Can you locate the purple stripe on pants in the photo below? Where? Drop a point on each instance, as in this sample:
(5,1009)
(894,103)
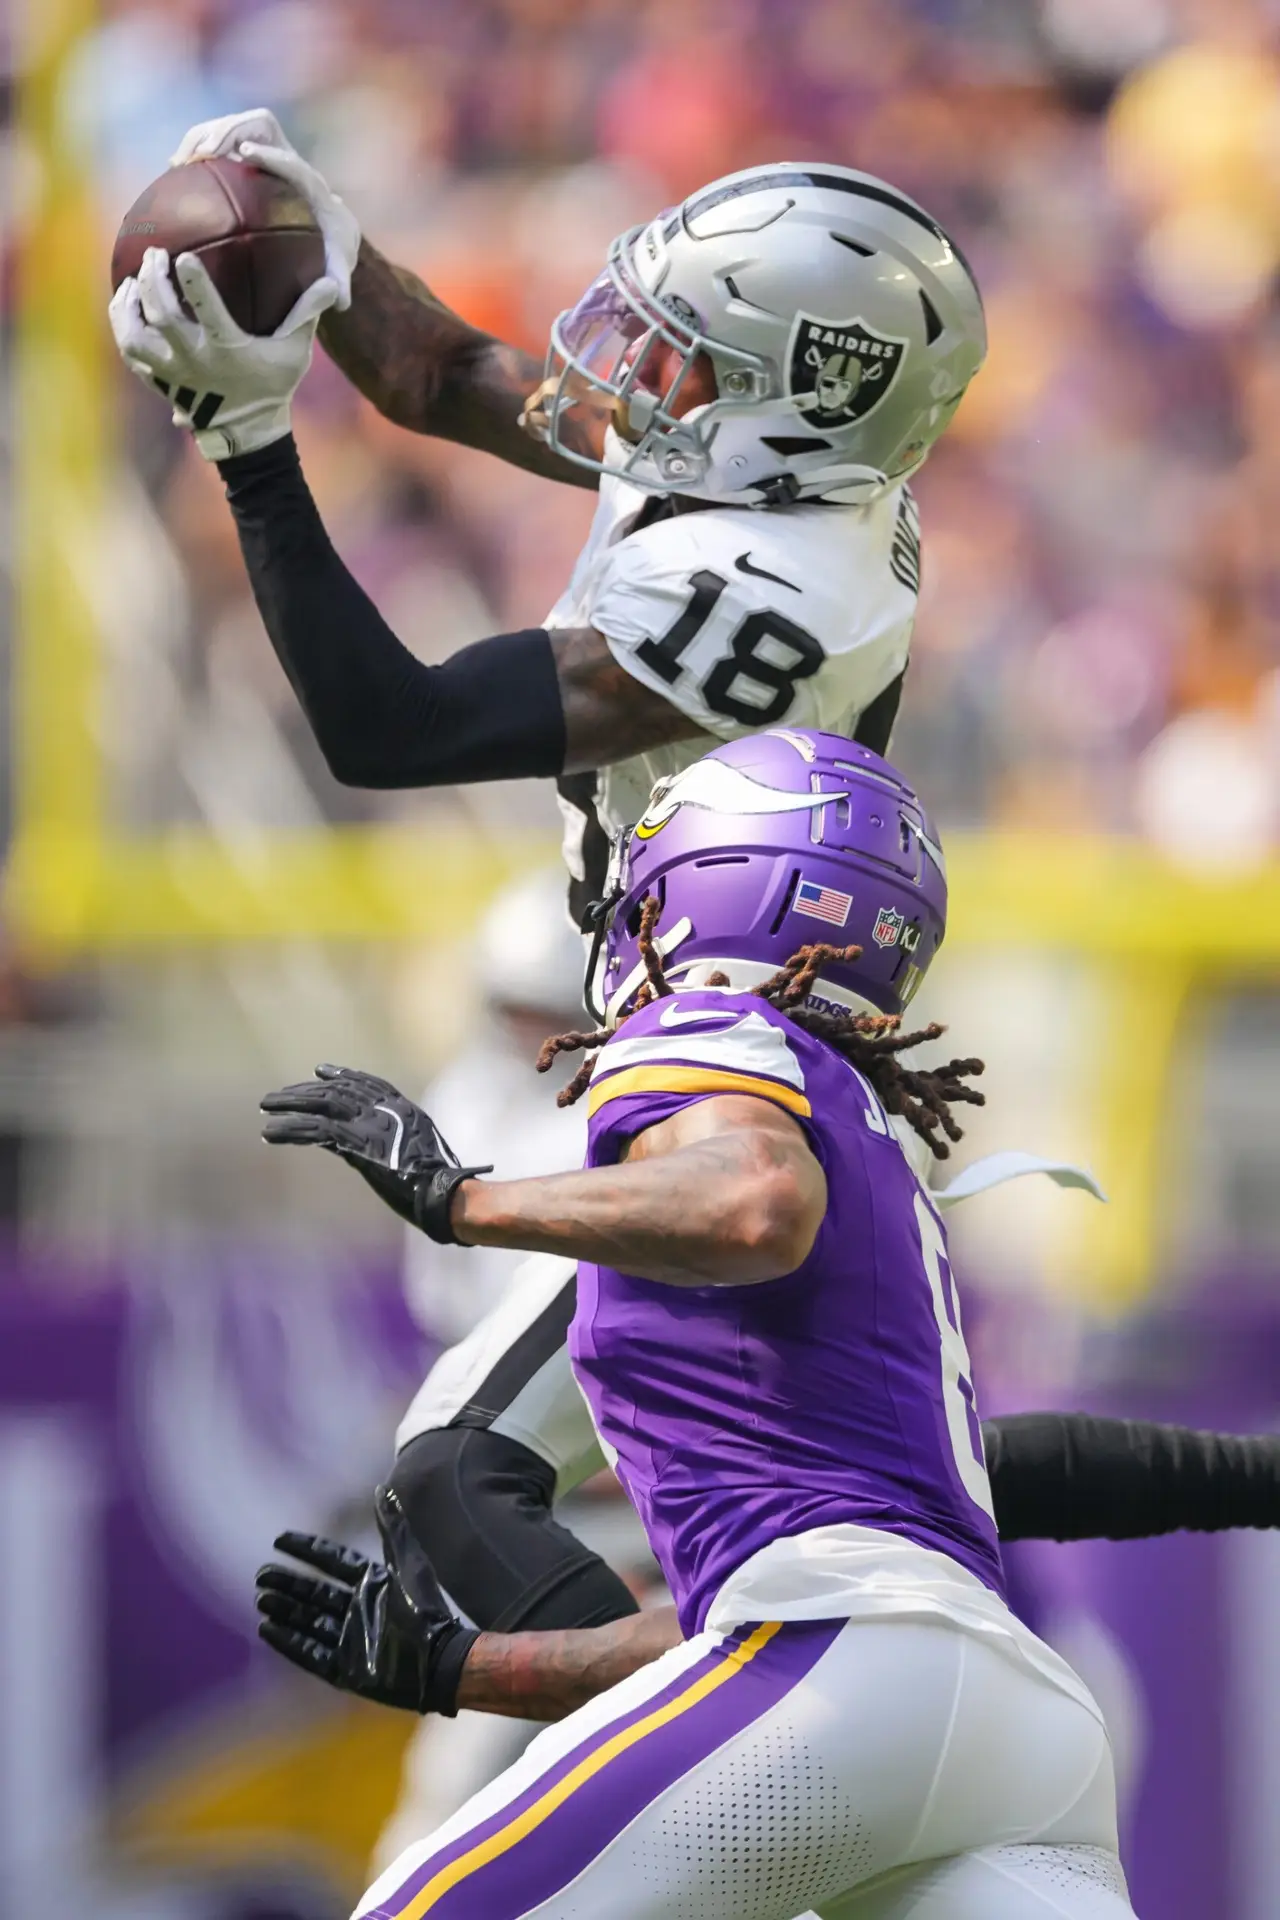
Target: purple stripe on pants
(567,1839)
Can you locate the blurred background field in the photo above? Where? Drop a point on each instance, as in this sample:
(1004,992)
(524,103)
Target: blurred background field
(196,1346)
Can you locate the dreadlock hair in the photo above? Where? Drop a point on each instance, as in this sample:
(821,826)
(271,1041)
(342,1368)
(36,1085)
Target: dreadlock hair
(871,1042)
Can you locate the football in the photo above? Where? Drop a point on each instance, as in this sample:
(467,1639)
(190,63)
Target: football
(256,235)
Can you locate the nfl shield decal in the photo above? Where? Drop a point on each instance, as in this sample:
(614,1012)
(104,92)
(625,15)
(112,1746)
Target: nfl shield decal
(887,928)
(846,365)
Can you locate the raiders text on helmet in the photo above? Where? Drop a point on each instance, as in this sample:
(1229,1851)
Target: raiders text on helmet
(842,323)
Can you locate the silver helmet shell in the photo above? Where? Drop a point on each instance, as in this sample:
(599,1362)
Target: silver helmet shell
(843,326)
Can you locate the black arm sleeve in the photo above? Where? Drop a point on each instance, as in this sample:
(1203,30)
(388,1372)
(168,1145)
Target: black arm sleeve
(1072,1476)
(479,1504)
(382,718)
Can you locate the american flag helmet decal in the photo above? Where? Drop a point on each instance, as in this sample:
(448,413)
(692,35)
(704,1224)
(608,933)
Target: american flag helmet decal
(822,903)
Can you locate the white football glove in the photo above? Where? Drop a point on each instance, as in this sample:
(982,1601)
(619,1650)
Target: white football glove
(232,388)
(256,136)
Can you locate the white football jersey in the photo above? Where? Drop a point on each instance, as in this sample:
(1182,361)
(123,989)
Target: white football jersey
(742,619)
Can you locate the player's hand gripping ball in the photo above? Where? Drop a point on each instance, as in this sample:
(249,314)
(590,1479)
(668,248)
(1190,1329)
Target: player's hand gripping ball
(232,388)
(240,242)
(257,138)
(255,233)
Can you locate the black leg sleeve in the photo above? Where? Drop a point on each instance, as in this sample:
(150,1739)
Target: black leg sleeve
(480,1505)
(1074,1476)
(382,718)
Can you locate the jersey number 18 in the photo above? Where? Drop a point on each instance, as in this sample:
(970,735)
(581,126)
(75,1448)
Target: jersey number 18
(749,660)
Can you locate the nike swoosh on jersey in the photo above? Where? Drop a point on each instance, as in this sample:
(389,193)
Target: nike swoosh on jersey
(675,1017)
(743,564)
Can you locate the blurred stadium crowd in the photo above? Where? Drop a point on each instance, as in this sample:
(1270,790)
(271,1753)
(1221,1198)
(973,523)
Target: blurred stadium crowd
(1097,644)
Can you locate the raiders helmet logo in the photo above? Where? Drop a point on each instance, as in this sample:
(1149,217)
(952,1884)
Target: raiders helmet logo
(841,370)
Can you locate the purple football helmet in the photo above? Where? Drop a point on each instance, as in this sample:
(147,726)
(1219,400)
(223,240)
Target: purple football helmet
(769,844)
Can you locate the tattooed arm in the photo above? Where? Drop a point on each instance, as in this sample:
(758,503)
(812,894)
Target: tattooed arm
(608,714)
(544,1676)
(425,368)
(726,1192)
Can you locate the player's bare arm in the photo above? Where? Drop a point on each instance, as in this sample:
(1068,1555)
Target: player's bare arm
(726,1192)
(544,1676)
(428,370)
(609,715)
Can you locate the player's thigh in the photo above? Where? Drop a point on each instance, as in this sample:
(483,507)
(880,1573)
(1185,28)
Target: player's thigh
(997,1883)
(753,1775)
(682,1792)
(825,1761)
(512,1374)
(1025,1759)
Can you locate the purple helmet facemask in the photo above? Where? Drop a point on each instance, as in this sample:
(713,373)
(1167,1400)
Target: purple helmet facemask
(768,844)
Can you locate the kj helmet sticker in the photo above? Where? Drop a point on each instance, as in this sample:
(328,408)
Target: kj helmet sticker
(845,365)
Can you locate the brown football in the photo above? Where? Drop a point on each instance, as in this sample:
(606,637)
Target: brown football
(256,235)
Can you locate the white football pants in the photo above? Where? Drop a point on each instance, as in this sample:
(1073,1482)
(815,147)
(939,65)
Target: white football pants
(866,1770)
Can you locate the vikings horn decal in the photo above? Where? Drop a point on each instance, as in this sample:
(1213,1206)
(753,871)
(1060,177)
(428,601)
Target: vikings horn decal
(720,788)
(845,365)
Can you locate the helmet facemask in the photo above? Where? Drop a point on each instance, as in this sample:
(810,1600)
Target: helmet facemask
(609,345)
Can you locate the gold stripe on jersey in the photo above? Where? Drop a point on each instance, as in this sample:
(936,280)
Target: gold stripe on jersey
(673,1079)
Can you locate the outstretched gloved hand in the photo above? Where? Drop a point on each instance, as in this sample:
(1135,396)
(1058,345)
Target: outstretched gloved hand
(389,1141)
(384,1632)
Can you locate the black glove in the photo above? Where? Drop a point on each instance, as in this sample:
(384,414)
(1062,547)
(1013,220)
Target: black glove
(383,1632)
(391,1143)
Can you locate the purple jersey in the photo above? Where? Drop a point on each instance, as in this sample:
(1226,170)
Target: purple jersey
(838,1394)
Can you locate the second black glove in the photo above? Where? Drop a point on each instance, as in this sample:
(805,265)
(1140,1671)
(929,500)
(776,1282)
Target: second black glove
(383,1632)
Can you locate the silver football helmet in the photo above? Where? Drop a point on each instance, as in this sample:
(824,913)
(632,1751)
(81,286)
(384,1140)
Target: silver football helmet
(841,323)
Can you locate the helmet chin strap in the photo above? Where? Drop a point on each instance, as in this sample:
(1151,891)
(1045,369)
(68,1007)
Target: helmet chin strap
(663,943)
